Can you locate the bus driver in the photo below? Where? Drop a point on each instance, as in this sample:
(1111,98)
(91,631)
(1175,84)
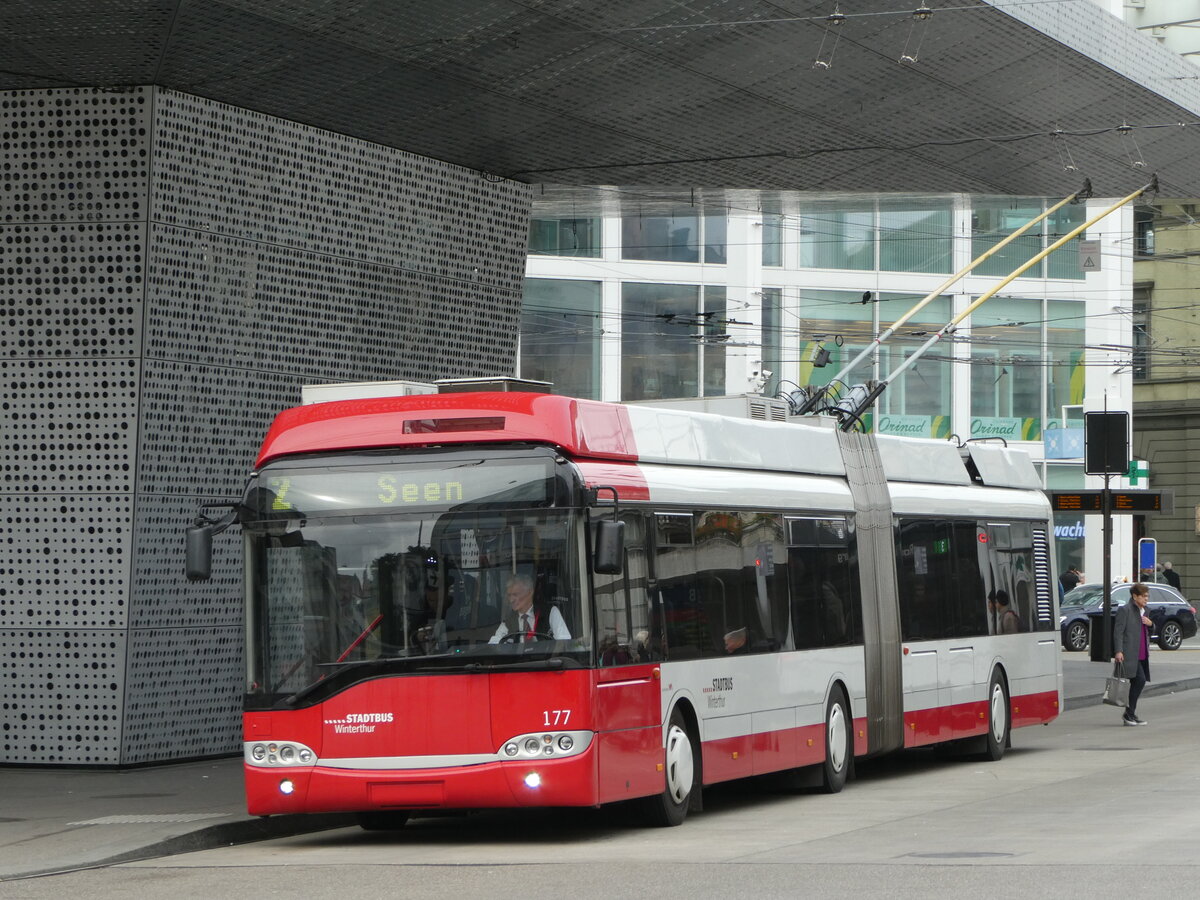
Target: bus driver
(531,620)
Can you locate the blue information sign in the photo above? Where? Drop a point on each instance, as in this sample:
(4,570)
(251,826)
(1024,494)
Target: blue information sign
(1147,554)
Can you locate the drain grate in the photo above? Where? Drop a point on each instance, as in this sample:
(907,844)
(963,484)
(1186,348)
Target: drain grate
(150,819)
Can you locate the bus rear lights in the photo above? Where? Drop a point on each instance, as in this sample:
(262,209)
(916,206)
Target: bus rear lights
(278,754)
(547,745)
(533,780)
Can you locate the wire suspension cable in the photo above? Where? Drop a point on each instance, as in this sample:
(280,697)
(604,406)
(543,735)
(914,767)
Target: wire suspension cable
(865,404)
(815,397)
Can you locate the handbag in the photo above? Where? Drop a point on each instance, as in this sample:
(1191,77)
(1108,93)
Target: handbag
(1116,688)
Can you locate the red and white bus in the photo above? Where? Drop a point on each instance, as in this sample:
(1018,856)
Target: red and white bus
(714,597)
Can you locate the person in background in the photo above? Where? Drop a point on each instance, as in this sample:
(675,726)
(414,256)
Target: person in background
(1170,576)
(1131,646)
(1068,580)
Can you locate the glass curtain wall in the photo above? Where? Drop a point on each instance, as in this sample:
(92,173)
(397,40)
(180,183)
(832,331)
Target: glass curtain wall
(772,233)
(672,341)
(1070,529)
(565,237)
(773,341)
(674,237)
(838,236)
(1064,262)
(1066,357)
(1007,369)
(841,323)
(916,240)
(714,333)
(560,335)
(916,404)
(901,235)
(994,220)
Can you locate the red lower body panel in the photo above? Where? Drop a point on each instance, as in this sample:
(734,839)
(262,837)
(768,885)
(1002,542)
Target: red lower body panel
(563,782)
(949,723)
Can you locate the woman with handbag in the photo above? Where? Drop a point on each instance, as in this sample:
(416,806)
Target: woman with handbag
(1131,646)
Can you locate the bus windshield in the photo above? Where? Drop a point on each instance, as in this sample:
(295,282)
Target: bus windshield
(409,565)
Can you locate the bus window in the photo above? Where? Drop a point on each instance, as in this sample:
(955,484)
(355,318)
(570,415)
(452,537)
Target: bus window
(822,567)
(925,579)
(968,615)
(1010,575)
(623,623)
(727,591)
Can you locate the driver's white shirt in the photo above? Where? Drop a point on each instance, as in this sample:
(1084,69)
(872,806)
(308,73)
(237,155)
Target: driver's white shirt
(558,627)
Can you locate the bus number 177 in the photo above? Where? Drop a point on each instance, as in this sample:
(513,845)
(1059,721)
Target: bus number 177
(555,717)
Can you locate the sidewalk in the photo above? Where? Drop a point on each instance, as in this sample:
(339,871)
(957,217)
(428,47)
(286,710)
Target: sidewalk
(54,820)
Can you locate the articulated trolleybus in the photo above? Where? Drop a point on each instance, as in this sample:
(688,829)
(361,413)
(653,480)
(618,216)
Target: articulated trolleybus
(508,599)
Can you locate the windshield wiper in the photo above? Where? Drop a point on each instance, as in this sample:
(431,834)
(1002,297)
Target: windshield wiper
(341,667)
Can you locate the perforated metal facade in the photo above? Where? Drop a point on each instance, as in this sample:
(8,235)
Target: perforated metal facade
(172,270)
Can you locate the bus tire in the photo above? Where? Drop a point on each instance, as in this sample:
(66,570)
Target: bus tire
(380,820)
(670,808)
(839,747)
(999,717)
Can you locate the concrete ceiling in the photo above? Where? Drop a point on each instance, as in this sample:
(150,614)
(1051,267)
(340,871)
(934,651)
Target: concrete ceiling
(720,93)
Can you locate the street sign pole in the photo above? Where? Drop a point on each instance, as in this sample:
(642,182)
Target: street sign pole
(1100,648)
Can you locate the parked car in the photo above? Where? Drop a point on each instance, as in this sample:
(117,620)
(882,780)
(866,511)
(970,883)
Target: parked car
(1173,616)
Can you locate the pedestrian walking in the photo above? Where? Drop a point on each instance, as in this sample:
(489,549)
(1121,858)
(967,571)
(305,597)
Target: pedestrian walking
(1131,646)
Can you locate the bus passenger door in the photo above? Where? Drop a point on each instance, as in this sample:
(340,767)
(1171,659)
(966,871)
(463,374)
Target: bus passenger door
(628,704)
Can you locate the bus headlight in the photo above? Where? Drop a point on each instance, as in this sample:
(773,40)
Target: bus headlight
(278,754)
(545,745)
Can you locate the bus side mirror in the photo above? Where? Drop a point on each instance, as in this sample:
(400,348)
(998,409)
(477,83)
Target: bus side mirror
(199,543)
(610,546)
(199,552)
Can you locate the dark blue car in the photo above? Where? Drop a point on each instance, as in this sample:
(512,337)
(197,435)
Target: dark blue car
(1173,616)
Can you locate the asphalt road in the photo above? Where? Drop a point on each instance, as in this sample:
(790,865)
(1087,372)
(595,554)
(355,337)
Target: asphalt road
(1081,808)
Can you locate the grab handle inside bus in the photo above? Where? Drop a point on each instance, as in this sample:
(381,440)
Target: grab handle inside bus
(199,544)
(609,550)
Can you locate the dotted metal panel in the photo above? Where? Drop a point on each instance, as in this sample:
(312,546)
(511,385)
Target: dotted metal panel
(70,424)
(65,560)
(160,596)
(203,425)
(71,289)
(74,155)
(139,382)
(61,696)
(228,302)
(184,695)
(296,186)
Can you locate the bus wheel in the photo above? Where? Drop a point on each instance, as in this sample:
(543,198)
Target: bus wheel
(670,807)
(839,753)
(999,718)
(382,821)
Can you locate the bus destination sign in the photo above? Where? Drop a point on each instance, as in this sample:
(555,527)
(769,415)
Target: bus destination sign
(1122,501)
